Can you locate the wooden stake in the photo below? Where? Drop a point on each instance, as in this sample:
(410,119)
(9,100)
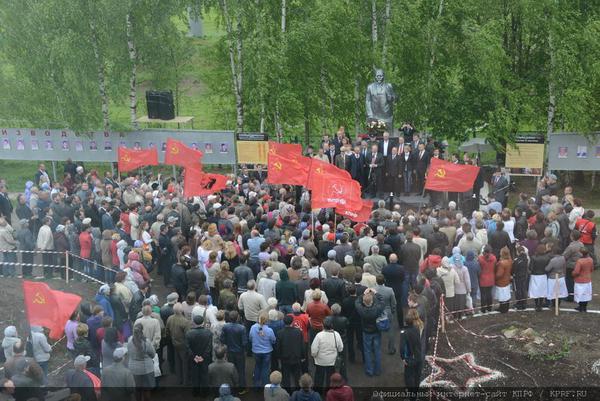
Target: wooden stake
(67,266)
(443,312)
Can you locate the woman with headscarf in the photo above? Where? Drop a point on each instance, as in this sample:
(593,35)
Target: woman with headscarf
(225,394)
(141,362)
(450,278)
(10,338)
(463,288)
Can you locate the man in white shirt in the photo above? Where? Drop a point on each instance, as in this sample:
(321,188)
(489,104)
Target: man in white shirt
(208,312)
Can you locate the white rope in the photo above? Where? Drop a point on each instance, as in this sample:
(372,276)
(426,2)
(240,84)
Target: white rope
(85,275)
(95,263)
(40,251)
(31,264)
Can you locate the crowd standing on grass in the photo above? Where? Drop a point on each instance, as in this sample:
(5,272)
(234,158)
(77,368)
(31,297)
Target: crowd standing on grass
(253,275)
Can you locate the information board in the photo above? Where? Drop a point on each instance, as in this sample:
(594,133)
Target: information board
(573,151)
(58,145)
(252,148)
(526,156)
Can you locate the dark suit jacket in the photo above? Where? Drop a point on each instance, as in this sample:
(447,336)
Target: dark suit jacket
(378,161)
(422,163)
(407,165)
(393,166)
(392,142)
(356,166)
(330,157)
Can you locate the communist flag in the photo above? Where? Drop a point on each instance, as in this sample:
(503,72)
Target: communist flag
(198,183)
(319,168)
(335,190)
(359,216)
(450,177)
(286,165)
(179,154)
(130,159)
(47,307)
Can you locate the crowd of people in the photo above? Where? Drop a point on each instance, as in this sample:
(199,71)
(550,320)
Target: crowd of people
(252,276)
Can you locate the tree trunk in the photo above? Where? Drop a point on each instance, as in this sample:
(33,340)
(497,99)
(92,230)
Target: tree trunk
(551,88)
(432,49)
(236,67)
(357,105)
(306,123)
(262,115)
(386,32)
(283,15)
(133,76)
(278,131)
(434,38)
(374,24)
(100,68)
(323,98)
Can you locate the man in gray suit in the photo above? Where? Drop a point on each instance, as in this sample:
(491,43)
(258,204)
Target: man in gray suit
(389,300)
(500,187)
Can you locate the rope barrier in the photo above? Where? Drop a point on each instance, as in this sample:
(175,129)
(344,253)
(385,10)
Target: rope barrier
(94,262)
(31,264)
(57,370)
(84,275)
(39,251)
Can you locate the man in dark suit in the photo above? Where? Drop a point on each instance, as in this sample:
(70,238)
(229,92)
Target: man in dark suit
(407,165)
(394,174)
(374,165)
(421,164)
(331,153)
(356,166)
(499,186)
(337,141)
(415,143)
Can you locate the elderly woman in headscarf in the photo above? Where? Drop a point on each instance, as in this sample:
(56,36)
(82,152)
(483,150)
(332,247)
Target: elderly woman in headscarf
(463,288)
(10,338)
(225,394)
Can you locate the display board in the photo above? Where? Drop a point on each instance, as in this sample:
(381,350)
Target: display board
(526,156)
(58,145)
(572,151)
(252,148)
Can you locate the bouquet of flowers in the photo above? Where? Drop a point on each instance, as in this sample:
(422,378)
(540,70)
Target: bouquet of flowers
(376,127)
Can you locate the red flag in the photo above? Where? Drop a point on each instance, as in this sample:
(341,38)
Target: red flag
(47,307)
(130,159)
(450,177)
(198,183)
(319,167)
(179,154)
(335,190)
(286,165)
(359,216)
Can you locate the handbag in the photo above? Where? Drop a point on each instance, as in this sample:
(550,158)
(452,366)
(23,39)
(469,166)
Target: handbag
(339,359)
(383,322)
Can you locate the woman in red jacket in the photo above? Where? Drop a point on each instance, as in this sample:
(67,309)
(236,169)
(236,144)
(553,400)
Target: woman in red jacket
(487,278)
(503,279)
(582,274)
(85,244)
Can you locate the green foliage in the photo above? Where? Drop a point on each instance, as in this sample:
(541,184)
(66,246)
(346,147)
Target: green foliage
(457,66)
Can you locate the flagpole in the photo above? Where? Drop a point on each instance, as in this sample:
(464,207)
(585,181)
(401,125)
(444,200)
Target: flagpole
(27,324)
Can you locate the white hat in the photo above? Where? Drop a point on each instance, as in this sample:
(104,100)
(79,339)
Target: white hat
(81,360)
(86,222)
(119,353)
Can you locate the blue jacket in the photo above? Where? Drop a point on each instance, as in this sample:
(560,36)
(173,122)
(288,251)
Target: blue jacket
(233,335)
(262,339)
(104,302)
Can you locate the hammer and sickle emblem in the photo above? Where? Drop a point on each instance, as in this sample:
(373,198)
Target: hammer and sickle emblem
(39,299)
(174,150)
(272,151)
(440,173)
(319,170)
(277,165)
(126,158)
(337,189)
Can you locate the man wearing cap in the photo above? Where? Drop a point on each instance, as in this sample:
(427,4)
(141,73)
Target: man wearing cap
(310,250)
(26,241)
(117,380)
(199,341)
(79,379)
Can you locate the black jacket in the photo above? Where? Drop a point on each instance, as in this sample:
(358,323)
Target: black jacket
(119,310)
(349,311)
(498,240)
(290,345)
(394,275)
(411,254)
(179,280)
(335,288)
(340,324)
(410,345)
(369,314)
(394,166)
(135,307)
(538,263)
(198,341)
(195,281)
